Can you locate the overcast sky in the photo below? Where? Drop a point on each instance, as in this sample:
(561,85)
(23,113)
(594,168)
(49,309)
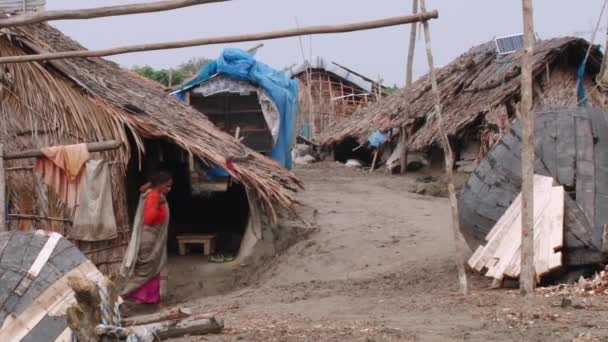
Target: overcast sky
(378,53)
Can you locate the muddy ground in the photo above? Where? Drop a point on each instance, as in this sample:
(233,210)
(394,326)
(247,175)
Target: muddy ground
(380,268)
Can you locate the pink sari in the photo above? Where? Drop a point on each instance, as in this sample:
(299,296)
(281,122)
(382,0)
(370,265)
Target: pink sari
(148,293)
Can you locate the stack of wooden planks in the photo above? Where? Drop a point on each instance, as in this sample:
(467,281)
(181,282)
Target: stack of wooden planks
(501,256)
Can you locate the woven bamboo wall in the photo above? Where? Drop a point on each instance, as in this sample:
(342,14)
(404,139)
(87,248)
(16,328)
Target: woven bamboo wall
(326,99)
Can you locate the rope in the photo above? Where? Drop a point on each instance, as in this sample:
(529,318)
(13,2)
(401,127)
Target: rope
(110,318)
(580,74)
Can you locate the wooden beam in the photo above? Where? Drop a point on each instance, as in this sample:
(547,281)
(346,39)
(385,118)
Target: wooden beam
(449,161)
(360,26)
(37,218)
(99,12)
(92,147)
(527,276)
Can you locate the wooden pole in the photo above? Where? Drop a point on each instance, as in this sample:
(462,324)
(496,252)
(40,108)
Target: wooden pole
(408,83)
(3,227)
(404,137)
(449,162)
(411,47)
(99,12)
(526,279)
(360,26)
(371,169)
(92,147)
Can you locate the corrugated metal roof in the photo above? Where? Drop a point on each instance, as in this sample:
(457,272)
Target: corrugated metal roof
(334,68)
(11,6)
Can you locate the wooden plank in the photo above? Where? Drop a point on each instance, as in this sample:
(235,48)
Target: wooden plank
(18,328)
(498,235)
(14,253)
(39,263)
(605,240)
(510,243)
(48,329)
(585,171)
(65,336)
(556,212)
(600,133)
(548,147)
(579,230)
(566,145)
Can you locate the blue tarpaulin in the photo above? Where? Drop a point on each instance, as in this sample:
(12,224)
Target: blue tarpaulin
(240,65)
(376,139)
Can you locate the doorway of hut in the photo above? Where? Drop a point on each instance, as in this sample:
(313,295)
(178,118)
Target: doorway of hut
(351,149)
(240,111)
(220,210)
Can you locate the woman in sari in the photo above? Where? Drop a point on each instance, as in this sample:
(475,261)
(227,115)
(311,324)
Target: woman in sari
(147,251)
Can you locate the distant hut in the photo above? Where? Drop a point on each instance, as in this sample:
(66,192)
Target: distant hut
(329,93)
(70,101)
(247,99)
(480,93)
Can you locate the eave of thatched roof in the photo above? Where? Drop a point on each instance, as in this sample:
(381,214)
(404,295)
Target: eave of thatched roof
(477,84)
(97,99)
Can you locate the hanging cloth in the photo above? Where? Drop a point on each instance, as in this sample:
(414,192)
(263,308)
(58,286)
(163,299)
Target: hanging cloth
(62,170)
(94,218)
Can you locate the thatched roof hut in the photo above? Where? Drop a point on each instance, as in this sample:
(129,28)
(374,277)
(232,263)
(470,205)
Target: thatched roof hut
(480,93)
(91,99)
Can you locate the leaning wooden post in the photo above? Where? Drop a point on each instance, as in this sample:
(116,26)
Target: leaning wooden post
(2,191)
(526,278)
(408,82)
(449,161)
(411,47)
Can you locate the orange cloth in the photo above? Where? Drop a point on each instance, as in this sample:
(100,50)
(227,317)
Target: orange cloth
(62,170)
(155,209)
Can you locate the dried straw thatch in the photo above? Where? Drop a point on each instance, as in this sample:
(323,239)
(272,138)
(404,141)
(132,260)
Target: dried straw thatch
(92,99)
(480,94)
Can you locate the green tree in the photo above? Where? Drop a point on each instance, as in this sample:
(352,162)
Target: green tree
(193,66)
(174,76)
(166,77)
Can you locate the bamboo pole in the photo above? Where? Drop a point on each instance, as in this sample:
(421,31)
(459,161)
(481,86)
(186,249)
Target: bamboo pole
(2,191)
(449,161)
(359,26)
(408,83)
(526,278)
(92,147)
(411,47)
(99,12)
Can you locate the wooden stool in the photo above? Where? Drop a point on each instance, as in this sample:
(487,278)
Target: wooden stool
(208,242)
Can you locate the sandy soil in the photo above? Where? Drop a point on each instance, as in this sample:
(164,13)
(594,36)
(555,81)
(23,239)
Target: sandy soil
(380,268)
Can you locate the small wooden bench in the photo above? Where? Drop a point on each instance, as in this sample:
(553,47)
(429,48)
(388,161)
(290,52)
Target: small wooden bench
(208,242)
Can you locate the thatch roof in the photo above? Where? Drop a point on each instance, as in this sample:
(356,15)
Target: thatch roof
(478,90)
(92,99)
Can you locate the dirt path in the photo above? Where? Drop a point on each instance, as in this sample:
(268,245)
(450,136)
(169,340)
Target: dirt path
(380,269)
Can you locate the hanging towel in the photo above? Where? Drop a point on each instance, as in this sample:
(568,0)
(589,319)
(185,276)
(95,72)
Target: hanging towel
(62,170)
(94,218)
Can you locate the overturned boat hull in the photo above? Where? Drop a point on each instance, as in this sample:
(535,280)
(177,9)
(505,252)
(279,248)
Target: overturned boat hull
(572,147)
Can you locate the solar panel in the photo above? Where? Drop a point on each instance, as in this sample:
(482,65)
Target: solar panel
(509,44)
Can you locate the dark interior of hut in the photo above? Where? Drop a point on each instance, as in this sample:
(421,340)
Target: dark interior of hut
(344,151)
(228,111)
(224,213)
